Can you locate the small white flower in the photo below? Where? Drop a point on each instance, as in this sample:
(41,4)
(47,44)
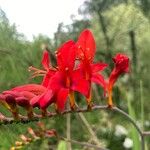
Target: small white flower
(128,143)
(120,130)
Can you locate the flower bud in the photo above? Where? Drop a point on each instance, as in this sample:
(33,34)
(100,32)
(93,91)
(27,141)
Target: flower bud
(24,102)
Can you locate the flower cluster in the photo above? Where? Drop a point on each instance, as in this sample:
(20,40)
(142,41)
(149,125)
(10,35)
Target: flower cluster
(33,135)
(75,72)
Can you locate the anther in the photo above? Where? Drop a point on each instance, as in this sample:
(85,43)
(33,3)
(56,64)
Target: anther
(79,46)
(56,52)
(66,68)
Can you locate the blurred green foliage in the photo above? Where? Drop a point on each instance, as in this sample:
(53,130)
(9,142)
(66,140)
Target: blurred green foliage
(112,23)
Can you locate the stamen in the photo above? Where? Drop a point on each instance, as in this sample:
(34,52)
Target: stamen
(56,52)
(36,72)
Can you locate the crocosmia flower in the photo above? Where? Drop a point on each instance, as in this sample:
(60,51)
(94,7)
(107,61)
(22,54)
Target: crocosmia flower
(86,48)
(22,96)
(66,79)
(121,62)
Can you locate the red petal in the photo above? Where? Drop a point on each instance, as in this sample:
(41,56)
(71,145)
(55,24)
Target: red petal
(99,79)
(13,93)
(98,67)
(81,86)
(10,99)
(22,101)
(47,77)
(46,99)
(2,97)
(46,60)
(66,56)
(34,101)
(45,80)
(57,81)
(28,95)
(121,63)
(62,98)
(86,45)
(34,88)
(79,83)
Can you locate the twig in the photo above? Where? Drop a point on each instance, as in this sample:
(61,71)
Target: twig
(146,133)
(90,130)
(134,124)
(86,123)
(84,144)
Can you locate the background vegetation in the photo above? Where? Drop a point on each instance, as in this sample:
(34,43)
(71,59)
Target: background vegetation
(118,26)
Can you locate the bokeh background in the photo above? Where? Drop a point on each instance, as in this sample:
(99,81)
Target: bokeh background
(118,26)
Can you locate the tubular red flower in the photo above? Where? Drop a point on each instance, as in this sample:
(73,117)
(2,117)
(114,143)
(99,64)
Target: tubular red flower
(66,79)
(86,48)
(85,52)
(121,66)
(22,95)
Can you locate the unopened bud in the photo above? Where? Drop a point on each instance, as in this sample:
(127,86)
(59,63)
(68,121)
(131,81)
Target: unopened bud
(18,143)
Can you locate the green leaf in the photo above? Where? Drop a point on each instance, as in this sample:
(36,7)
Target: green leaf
(62,145)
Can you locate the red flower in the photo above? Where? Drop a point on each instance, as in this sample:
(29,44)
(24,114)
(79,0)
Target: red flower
(33,88)
(48,71)
(121,66)
(66,79)
(86,48)
(22,96)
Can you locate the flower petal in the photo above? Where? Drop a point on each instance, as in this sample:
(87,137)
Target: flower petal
(46,60)
(10,100)
(66,56)
(47,77)
(62,98)
(57,81)
(34,88)
(46,99)
(86,45)
(99,79)
(28,95)
(34,101)
(13,93)
(81,86)
(79,83)
(98,67)
(23,101)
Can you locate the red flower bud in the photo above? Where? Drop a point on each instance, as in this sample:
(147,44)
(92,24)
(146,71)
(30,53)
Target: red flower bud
(121,66)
